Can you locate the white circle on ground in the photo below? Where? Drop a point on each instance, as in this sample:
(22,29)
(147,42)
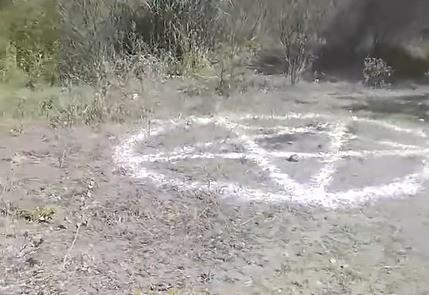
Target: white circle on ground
(263,141)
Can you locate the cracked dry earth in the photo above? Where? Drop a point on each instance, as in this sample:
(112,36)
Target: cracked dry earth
(160,224)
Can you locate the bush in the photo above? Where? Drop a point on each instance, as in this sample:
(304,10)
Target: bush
(29,40)
(47,39)
(376,72)
(180,33)
(299,36)
(79,40)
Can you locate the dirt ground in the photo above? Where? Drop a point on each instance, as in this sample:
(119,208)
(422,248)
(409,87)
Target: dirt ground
(73,221)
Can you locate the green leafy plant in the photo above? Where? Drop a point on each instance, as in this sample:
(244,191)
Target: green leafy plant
(30,40)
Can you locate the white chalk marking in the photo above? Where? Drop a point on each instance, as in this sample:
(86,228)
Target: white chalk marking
(315,192)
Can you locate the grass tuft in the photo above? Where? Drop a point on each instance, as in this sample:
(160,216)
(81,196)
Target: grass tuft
(38,214)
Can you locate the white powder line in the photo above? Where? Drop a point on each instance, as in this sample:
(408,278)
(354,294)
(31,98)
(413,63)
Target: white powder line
(324,178)
(324,157)
(313,193)
(399,145)
(289,116)
(387,125)
(278,131)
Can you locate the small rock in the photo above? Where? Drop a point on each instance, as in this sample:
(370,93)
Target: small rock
(16,131)
(293,158)
(32,262)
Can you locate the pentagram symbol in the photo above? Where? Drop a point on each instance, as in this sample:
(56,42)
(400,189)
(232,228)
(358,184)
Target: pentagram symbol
(309,159)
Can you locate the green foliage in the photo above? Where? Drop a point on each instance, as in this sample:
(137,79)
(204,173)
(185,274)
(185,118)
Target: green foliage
(38,214)
(29,40)
(94,43)
(95,33)
(51,40)
(74,111)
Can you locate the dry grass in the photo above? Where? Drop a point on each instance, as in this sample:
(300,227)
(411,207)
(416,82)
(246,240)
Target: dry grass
(109,49)
(299,36)
(38,214)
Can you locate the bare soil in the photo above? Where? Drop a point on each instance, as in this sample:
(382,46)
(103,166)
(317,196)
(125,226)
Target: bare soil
(114,234)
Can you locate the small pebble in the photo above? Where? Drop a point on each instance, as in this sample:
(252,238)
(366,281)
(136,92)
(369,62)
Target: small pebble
(293,158)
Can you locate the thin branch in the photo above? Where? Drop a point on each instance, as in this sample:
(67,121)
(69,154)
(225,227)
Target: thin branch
(66,257)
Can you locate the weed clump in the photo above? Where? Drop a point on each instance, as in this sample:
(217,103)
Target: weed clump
(299,36)
(38,214)
(376,72)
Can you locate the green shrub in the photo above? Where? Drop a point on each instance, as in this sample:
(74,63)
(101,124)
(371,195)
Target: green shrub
(51,40)
(29,40)
(98,32)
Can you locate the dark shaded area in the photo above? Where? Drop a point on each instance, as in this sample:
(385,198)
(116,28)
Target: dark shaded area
(377,28)
(269,62)
(300,142)
(405,64)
